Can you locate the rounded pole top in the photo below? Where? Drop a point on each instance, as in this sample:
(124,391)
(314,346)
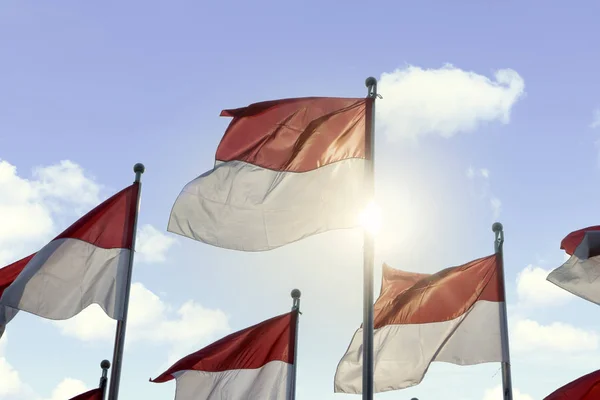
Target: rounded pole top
(139,168)
(296,294)
(105,364)
(497,227)
(370,81)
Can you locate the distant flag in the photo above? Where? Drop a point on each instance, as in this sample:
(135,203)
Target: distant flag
(579,274)
(254,363)
(285,170)
(94,394)
(452,316)
(85,264)
(585,388)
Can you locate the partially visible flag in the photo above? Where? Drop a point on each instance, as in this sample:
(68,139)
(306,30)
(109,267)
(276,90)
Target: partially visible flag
(579,274)
(585,388)
(452,316)
(94,394)
(285,170)
(254,363)
(85,264)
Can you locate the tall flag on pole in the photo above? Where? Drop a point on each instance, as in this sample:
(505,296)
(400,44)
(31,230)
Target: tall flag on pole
(452,316)
(585,388)
(97,393)
(579,274)
(85,264)
(255,363)
(285,170)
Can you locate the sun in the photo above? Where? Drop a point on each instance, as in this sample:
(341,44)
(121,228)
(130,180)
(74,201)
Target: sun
(370,218)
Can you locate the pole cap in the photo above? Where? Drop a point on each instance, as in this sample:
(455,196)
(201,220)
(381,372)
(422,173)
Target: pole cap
(370,81)
(139,168)
(296,294)
(105,364)
(497,227)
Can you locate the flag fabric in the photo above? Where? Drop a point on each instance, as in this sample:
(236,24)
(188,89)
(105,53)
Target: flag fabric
(254,363)
(284,170)
(585,388)
(85,264)
(452,316)
(94,394)
(579,274)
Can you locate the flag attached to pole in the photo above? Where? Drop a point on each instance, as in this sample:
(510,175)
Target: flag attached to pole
(285,170)
(579,274)
(254,363)
(585,388)
(451,316)
(94,394)
(85,264)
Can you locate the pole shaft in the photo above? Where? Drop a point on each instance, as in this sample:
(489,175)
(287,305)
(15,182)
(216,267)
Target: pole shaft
(369,246)
(115,375)
(105,365)
(296,308)
(506,373)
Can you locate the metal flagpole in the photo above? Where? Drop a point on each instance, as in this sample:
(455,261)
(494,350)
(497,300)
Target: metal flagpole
(506,375)
(369,246)
(105,365)
(115,375)
(295,307)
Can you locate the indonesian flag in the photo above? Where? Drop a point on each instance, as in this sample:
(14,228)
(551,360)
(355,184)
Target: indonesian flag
(254,363)
(585,388)
(452,316)
(579,274)
(94,394)
(284,170)
(85,264)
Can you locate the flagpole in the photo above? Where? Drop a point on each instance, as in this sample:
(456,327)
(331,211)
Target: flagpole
(105,365)
(295,307)
(498,230)
(369,246)
(115,375)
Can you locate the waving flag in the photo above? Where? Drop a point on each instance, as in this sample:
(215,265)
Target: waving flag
(284,170)
(579,274)
(452,316)
(254,363)
(85,264)
(585,388)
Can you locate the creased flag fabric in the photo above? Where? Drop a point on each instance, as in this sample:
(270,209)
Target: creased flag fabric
(579,274)
(585,388)
(94,394)
(85,264)
(452,316)
(285,170)
(254,363)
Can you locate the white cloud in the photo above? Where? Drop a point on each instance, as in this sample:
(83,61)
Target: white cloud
(10,380)
(483,175)
(530,336)
(151,321)
(444,101)
(28,206)
(152,245)
(496,394)
(68,388)
(534,290)
(596,118)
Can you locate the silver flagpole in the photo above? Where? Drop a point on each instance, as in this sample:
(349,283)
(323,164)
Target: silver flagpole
(115,375)
(506,375)
(295,307)
(105,365)
(369,247)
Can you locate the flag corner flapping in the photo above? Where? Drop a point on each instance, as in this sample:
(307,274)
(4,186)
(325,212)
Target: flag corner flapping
(94,394)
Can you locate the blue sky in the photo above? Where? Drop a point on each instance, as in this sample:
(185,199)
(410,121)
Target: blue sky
(106,85)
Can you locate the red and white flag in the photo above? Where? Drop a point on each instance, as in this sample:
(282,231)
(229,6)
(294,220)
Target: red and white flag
(585,388)
(452,316)
(284,170)
(85,264)
(254,363)
(579,274)
(94,394)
